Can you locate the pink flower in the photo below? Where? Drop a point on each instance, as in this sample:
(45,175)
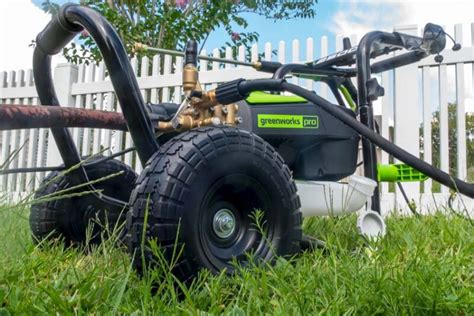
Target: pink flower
(85,33)
(182,3)
(235,36)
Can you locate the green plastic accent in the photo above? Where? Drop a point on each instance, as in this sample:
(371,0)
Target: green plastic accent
(259,97)
(399,173)
(348,97)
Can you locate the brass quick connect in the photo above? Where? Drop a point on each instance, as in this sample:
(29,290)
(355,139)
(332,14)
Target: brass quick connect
(230,117)
(190,78)
(207,100)
(165,126)
(257,65)
(211,97)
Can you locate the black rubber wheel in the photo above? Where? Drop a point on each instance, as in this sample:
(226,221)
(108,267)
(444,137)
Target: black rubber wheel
(201,191)
(69,218)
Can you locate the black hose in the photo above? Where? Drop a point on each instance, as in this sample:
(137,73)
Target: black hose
(399,153)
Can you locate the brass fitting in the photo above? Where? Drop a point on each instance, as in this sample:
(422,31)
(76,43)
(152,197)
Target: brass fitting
(210,121)
(185,122)
(190,78)
(211,96)
(230,117)
(165,126)
(218,112)
(208,99)
(257,65)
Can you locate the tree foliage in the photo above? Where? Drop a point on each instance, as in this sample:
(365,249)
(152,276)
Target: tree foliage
(452,139)
(170,23)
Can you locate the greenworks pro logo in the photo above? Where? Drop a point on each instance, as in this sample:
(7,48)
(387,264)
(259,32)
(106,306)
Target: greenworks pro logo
(287,121)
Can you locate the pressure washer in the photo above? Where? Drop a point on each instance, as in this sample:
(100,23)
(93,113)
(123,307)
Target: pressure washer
(225,158)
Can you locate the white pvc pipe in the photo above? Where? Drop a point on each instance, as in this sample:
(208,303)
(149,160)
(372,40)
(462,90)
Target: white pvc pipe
(322,198)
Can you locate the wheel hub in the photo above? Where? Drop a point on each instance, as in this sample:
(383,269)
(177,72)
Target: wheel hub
(224,223)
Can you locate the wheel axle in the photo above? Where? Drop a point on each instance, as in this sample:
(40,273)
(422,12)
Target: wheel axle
(224,223)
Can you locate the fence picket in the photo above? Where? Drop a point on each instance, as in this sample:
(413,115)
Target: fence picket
(86,140)
(5,137)
(32,152)
(323,89)
(109,106)
(155,72)
(78,132)
(241,54)
(254,53)
(24,140)
(281,52)
(384,128)
(443,124)
(17,79)
(268,52)
(215,66)
(14,151)
(177,89)
(427,152)
(117,136)
(166,71)
(228,55)
(460,111)
(99,105)
(295,56)
(203,64)
(309,56)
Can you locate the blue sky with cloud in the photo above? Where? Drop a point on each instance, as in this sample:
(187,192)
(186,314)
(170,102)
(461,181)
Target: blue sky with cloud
(348,17)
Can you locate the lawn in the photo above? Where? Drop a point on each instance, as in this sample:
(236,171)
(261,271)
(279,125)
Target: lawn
(423,266)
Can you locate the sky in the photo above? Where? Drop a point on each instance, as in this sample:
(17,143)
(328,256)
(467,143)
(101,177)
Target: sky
(21,20)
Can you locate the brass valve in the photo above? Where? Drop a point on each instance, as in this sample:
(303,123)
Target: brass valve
(200,108)
(190,72)
(190,78)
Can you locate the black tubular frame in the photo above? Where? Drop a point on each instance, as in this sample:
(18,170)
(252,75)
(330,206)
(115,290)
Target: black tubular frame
(64,26)
(360,56)
(70,20)
(364,100)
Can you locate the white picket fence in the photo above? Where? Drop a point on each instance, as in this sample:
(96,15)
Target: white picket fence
(411,92)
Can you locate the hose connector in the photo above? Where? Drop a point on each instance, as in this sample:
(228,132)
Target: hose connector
(229,92)
(236,90)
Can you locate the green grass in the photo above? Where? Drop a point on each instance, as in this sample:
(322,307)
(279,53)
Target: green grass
(423,266)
